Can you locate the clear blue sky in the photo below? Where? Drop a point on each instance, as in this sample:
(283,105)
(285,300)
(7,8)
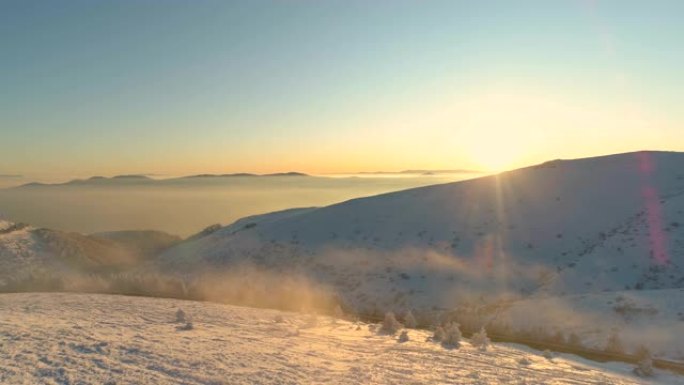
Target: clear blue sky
(105,87)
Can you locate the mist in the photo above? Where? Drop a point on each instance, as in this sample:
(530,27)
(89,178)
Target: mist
(185,206)
(243,285)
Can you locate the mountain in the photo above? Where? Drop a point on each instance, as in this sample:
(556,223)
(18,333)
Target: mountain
(245,174)
(135,180)
(95,181)
(291,173)
(241,174)
(588,246)
(421,172)
(565,226)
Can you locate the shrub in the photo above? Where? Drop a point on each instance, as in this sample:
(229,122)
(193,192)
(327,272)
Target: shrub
(403,337)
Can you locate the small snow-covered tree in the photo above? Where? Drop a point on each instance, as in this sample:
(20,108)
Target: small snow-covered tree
(439,334)
(403,337)
(410,320)
(480,339)
(644,367)
(614,344)
(452,335)
(390,325)
(180,316)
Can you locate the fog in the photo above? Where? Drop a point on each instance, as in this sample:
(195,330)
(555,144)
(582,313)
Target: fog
(187,205)
(11,180)
(243,284)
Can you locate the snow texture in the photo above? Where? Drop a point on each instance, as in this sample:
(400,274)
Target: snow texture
(103,339)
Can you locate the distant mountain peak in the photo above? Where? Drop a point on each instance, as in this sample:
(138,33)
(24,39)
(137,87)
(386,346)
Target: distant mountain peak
(245,174)
(422,172)
(131,176)
(290,173)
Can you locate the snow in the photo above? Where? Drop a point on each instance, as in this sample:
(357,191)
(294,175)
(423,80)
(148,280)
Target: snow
(103,339)
(558,227)
(588,228)
(26,251)
(626,259)
(590,246)
(4,224)
(650,318)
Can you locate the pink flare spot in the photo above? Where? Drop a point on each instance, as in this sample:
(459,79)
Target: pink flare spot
(646,164)
(654,217)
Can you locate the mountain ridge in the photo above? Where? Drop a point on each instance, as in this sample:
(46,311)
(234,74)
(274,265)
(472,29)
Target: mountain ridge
(144,179)
(519,230)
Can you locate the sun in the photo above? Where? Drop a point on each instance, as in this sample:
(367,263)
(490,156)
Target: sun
(495,157)
(498,151)
(503,130)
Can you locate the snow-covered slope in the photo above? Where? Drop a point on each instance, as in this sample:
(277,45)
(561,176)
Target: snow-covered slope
(652,318)
(142,244)
(541,228)
(5,225)
(100,339)
(27,252)
(646,252)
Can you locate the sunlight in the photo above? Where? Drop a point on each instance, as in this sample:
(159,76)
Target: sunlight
(341,192)
(493,127)
(496,156)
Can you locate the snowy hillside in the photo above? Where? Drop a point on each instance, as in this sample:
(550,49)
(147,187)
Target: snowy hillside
(652,318)
(99,339)
(542,228)
(643,253)
(26,251)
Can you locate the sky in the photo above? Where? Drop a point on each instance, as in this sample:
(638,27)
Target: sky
(182,87)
